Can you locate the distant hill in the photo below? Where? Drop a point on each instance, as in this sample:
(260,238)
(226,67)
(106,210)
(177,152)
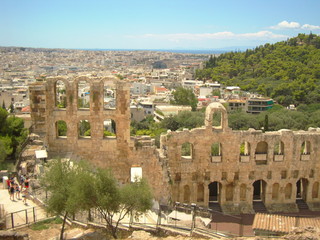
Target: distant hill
(287,71)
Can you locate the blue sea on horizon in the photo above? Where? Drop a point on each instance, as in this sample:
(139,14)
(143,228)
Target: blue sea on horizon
(189,51)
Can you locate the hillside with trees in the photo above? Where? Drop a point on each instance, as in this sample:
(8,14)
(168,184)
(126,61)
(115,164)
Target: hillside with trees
(279,117)
(287,71)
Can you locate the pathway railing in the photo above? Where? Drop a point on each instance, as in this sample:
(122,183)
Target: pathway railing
(24,217)
(181,218)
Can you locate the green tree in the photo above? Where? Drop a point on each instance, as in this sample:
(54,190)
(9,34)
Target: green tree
(112,201)
(240,120)
(170,123)
(11,108)
(3,152)
(62,128)
(107,133)
(216,92)
(80,187)
(15,129)
(14,126)
(7,144)
(58,180)
(215,149)
(266,122)
(183,96)
(3,118)
(84,128)
(288,71)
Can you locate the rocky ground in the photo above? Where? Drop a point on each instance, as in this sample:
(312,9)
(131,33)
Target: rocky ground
(53,232)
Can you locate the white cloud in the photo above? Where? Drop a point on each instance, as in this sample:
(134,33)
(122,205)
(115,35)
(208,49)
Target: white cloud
(286,25)
(176,37)
(294,25)
(310,27)
(262,35)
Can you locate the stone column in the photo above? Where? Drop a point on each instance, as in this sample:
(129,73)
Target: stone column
(206,194)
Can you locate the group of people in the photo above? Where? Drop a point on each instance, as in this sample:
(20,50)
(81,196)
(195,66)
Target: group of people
(15,188)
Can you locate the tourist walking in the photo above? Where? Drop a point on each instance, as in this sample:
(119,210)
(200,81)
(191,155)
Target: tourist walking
(26,183)
(17,189)
(22,179)
(11,191)
(8,185)
(24,195)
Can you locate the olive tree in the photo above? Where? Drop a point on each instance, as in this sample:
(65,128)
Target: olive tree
(58,180)
(115,202)
(79,186)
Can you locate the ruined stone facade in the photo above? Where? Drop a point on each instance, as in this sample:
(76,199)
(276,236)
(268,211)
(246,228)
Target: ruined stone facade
(120,152)
(207,165)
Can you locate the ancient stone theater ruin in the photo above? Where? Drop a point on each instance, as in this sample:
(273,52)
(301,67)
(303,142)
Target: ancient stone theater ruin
(233,171)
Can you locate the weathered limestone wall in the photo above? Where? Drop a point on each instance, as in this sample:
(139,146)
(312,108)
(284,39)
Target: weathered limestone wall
(236,171)
(118,153)
(231,170)
(38,106)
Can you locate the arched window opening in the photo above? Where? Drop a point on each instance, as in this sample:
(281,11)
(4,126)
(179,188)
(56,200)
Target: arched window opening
(315,190)
(60,94)
(61,129)
(305,151)
(278,148)
(109,96)
(259,190)
(245,152)
(262,148)
(305,147)
(109,128)
(243,192)
(216,116)
(83,94)
(275,191)
(261,153)
(288,191)
(278,151)
(186,150)
(186,194)
(216,119)
(216,152)
(84,129)
(200,193)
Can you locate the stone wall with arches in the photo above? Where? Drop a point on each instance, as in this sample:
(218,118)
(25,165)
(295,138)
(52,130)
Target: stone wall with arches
(277,159)
(212,163)
(87,113)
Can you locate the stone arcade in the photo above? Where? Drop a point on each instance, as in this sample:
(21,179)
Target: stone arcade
(209,166)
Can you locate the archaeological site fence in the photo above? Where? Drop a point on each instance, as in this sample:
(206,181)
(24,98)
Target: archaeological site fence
(181,218)
(24,217)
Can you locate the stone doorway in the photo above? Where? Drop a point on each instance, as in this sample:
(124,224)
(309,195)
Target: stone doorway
(302,187)
(259,193)
(259,190)
(214,196)
(214,191)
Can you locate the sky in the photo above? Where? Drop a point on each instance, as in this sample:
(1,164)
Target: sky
(154,24)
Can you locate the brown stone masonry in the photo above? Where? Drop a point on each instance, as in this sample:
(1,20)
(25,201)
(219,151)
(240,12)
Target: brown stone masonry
(208,165)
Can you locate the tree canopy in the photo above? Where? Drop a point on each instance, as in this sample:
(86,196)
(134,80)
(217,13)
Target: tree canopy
(278,117)
(79,187)
(183,96)
(287,71)
(12,134)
